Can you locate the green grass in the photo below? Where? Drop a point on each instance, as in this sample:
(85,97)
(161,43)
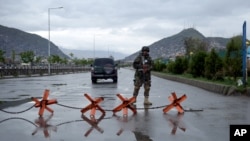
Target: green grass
(227,81)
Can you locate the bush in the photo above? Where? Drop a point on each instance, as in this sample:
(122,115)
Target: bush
(179,66)
(197,64)
(213,66)
(159,65)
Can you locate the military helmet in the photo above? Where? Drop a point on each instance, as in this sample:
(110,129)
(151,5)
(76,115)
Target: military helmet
(145,48)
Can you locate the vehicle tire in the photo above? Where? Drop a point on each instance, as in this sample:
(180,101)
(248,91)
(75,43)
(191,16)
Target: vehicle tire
(114,80)
(94,80)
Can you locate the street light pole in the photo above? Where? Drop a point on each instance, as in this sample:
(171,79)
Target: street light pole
(49,36)
(94,47)
(94,44)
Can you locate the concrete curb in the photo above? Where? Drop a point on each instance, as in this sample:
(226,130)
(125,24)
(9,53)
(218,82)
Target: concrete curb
(216,88)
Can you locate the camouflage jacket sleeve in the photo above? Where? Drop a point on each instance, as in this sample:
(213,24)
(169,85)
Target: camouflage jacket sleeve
(137,62)
(151,63)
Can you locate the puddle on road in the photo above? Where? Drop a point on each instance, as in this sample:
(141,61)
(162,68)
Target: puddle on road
(59,84)
(176,122)
(91,126)
(104,84)
(23,95)
(12,103)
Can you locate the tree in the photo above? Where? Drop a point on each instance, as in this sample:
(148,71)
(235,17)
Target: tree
(13,56)
(180,65)
(71,55)
(197,64)
(2,56)
(55,59)
(64,60)
(38,59)
(233,58)
(27,57)
(213,65)
(159,65)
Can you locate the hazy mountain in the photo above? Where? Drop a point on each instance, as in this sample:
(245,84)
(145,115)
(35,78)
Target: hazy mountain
(20,41)
(173,45)
(90,53)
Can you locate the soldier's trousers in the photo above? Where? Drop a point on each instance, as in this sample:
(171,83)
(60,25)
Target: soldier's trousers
(138,83)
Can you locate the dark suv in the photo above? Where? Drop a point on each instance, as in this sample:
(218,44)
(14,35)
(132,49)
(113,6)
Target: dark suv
(104,68)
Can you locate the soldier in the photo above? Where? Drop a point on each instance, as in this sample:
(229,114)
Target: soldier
(143,65)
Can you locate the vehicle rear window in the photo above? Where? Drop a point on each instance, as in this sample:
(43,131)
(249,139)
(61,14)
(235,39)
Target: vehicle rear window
(102,62)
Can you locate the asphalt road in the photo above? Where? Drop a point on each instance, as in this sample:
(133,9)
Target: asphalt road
(207,116)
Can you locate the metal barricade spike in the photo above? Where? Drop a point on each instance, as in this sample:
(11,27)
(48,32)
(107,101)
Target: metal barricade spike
(175,102)
(44,102)
(125,105)
(93,106)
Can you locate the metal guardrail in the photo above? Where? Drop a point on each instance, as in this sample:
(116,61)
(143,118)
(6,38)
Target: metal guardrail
(26,72)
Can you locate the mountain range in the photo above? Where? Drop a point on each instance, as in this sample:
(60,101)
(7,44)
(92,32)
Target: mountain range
(20,41)
(174,45)
(90,53)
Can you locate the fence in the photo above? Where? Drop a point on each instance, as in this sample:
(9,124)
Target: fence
(28,71)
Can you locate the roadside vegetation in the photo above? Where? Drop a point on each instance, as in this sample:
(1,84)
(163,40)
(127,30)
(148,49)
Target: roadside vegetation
(214,65)
(28,57)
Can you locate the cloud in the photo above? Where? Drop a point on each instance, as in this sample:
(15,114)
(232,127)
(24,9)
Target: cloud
(123,26)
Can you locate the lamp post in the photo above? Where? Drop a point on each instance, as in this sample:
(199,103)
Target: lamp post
(49,36)
(94,47)
(94,44)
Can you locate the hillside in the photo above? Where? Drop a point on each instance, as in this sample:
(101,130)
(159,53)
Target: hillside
(20,41)
(173,45)
(14,39)
(90,53)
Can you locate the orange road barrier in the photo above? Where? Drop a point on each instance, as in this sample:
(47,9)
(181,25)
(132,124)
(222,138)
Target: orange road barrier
(126,103)
(44,102)
(93,105)
(94,124)
(175,103)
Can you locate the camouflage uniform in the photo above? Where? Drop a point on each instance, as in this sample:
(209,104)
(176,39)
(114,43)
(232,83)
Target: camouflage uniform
(143,65)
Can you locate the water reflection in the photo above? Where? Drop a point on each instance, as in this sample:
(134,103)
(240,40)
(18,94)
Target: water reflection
(94,123)
(139,124)
(42,124)
(176,122)
(104,84)
(126,123)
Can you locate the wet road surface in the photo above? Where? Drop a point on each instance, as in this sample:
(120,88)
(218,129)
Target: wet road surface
(211,121)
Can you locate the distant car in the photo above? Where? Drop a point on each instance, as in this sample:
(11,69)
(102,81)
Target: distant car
(104,68)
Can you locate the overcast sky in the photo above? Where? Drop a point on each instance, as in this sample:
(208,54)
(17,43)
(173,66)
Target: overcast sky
(123,25)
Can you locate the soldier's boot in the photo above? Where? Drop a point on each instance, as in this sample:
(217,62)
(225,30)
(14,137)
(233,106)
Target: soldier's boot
(146,94)
(135,100)
(135,94)
(146,101)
